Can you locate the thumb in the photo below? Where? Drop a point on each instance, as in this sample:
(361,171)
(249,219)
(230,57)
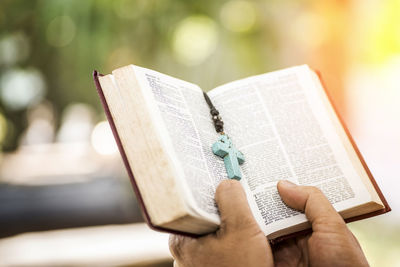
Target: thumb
(232,203)
(311,200)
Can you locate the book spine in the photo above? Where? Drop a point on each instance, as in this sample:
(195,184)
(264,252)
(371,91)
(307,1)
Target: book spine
(110,119)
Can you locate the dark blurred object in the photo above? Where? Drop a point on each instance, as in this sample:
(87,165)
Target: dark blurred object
(54,186)
(99,201)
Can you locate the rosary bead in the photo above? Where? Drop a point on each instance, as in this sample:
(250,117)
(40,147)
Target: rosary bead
(219,123)
(214,112)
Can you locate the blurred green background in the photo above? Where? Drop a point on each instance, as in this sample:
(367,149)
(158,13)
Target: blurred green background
(55,45)
(49,48)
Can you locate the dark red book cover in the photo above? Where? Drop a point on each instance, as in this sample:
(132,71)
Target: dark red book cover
(146,216)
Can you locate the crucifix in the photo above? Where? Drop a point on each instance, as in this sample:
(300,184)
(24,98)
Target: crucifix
(232,157)
(224,147)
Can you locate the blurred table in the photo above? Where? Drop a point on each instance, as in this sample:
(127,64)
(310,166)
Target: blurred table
(113,245)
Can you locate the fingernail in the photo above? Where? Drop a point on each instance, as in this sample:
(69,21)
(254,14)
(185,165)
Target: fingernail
(287,183)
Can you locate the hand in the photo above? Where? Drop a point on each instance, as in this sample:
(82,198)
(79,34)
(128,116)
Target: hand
(238,242)
(331,242)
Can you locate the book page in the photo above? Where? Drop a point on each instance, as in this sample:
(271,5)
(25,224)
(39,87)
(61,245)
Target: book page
(182,117)
(279,123)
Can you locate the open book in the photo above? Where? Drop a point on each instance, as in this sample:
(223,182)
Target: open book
(283,123)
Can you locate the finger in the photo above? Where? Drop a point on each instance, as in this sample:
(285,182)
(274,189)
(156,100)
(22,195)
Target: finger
(286,253)
(178,245)
(232,203)
(310,200)
(173,243)
(302,244)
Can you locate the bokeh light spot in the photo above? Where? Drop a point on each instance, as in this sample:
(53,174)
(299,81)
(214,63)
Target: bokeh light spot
(195,38)
(102,139)
(61,31)
(14,48)
(238,15)
(21,88)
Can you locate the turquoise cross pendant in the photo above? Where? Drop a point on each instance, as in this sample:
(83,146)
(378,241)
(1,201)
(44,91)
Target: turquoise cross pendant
(232,157)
